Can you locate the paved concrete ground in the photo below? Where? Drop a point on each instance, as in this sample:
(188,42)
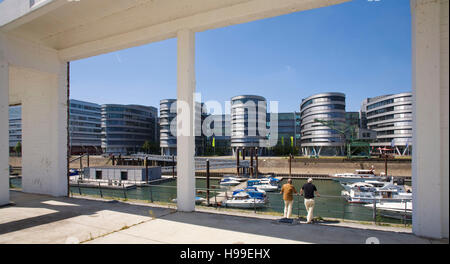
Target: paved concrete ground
(44,219)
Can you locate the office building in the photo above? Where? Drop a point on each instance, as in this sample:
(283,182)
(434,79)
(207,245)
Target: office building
(317,138)
(219,135)
(84,127)
(167,123)
(15,126)
(248,122)
(125,128)
(168,127)
(391,117)
(288,128)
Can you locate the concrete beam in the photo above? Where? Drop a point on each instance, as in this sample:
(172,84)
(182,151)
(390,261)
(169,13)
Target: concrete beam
(19,52)
(4,130)
(444,112)
(18,12)
(231,15)
(185,121)
(430,119)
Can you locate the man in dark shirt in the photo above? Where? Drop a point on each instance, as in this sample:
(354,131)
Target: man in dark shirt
(308,190)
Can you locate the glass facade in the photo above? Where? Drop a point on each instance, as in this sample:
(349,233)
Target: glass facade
(15,125)
(317,138)
(248,113)
(288,127)
(168,127)
(391,117)
(125,128)
(84,127)
(168,140)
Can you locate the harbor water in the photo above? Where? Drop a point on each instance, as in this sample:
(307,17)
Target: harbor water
(330,205)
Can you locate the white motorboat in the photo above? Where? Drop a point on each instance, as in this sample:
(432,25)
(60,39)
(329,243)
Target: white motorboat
(358,176)
(252,193)
(198,200)
(270,180)
(357,196)
(229,182)
(243,200)
(393,191)
(234,178)
(396,210)
(377,184)
(253,188)
(268,186)
(365,192)
(358,185)
(398,206)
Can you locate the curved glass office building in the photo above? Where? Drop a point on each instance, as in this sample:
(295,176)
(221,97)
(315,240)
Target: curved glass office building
(246,110)
(167,118)
(317,138)
(391,117)
(168,140)
(125,128)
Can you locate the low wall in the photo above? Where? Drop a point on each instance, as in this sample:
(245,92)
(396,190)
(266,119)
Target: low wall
(280,165)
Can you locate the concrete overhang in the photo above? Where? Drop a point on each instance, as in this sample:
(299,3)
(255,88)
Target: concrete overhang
(83,28)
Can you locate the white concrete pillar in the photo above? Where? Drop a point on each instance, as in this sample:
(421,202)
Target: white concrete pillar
(185,141)
(44,130)
(430,117)
(4,131)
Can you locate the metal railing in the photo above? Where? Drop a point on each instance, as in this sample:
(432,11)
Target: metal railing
(328,208)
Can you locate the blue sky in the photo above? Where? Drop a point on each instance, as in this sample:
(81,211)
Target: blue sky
(361,48)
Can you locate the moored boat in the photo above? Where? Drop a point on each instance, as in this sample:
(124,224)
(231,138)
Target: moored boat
(400,209)
(358,192)
(243,200)
(358,176)
(252,192)
(229,182)
(365,192)
(234,178)
(268,186)
(198,200)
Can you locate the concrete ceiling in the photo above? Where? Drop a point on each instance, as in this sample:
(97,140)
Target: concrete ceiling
(88,20)
(79,29)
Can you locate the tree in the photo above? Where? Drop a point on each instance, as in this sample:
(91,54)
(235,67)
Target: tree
(146,147)
(150,147)
(18,148)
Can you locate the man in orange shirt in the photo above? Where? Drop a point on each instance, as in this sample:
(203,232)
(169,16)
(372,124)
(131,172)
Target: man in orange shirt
(288,190)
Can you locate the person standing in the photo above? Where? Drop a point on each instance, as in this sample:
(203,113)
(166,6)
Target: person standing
(288,190)
(308,190)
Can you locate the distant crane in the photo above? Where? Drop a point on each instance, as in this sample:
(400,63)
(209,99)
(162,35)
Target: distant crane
(348,132)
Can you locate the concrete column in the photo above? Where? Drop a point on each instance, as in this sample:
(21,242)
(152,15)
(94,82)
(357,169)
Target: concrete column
(430,117)
(4,131)
(44,130)
(185,121)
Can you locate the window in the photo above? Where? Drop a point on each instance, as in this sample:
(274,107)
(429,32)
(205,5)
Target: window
(124,175)
(98,175)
